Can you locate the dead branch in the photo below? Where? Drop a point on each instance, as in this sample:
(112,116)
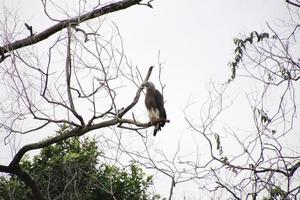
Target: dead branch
(147,4)
(68,78)
(116,6)
(137,96)
(293,3)
(29,28)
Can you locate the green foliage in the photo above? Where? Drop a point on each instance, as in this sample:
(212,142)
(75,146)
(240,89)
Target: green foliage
(241,47)
(115,181)
(218,141)
(70,170)
(260,113)
(276,193)
(13,189)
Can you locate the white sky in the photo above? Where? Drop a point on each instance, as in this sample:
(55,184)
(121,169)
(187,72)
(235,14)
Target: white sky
(195,40)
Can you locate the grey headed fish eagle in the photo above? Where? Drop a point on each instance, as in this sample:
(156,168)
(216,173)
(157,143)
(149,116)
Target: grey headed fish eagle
(154,102)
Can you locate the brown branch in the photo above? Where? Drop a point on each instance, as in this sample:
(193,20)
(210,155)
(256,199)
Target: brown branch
(78,131)
(3,57)
(5,169)
(14,167)
(228,189)
(294,168)
(137,96)
(147,4)
(86,39)
(42,144)
(68,79)
(25,177)
(134,122)
(173,183)
(138,124)
(29,28)
(29,181)
(120,5)
(292,3)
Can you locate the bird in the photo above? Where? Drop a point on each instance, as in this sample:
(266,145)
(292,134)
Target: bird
(154,103)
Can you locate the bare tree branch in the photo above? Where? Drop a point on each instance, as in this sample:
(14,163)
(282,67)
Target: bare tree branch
(68,78)
(115,6)
(137,96)
(293,3)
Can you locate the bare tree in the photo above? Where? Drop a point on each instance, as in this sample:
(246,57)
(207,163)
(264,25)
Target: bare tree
(73,79)
(80,77)
(262,162)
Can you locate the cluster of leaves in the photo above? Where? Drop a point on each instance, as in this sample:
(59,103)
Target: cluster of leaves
(241,47)
(262,115)
(276,193)
(224,159)
(120,180)
(70,170)
(219,147)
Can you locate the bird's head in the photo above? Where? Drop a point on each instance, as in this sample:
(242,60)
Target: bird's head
(148,85)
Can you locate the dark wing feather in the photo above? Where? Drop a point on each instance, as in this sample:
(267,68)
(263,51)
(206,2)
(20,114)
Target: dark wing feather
(160,105)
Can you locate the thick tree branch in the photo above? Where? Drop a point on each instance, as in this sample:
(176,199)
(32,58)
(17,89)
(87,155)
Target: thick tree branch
(119,5)
(293,3)
(25,177)
(29,181)
(294,168)
(137,96)
(5,169)
(78,131)
(42,144)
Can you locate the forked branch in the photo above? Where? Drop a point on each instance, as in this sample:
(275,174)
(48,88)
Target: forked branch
(112,7)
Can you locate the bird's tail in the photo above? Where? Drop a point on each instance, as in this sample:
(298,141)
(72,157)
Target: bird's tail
(162,123)
(157,128)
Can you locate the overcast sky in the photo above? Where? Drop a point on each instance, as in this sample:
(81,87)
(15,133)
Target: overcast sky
(195,41)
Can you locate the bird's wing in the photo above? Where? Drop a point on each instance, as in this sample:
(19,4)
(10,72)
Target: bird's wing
(160,105)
